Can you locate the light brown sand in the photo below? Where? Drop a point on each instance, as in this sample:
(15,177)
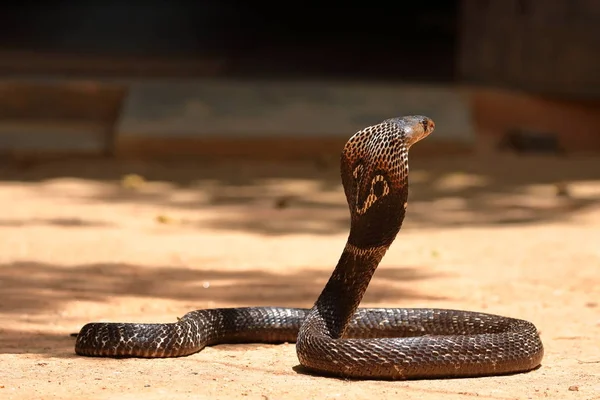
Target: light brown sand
(79,245)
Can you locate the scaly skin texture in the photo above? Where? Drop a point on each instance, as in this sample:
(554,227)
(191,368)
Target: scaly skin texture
(336,337)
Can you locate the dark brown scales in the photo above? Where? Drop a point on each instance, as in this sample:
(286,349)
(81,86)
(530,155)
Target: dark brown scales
(335,337)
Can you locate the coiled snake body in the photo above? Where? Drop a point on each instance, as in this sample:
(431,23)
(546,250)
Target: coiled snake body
(335,337)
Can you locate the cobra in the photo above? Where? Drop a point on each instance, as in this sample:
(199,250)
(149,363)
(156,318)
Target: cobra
(335,336)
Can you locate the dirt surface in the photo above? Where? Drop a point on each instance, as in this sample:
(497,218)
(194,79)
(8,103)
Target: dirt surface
(80,243)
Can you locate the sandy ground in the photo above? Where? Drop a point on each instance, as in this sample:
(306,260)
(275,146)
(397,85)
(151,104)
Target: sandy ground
(78,244)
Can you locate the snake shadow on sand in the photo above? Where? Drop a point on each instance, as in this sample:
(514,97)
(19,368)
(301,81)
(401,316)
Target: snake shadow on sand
(37,293)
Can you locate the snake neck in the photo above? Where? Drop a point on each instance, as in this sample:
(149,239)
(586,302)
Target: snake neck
(346,286)
(371,234)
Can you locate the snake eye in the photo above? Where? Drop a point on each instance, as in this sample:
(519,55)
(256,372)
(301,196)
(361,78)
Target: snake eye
(425,124)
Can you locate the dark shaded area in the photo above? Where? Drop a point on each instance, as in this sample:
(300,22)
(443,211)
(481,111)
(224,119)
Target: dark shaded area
(547,47)
(97,282)
(414,40)
(37,292)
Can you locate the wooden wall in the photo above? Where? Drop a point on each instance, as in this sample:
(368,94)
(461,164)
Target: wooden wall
(549,47)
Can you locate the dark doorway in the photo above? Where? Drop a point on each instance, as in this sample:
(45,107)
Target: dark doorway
(401,41)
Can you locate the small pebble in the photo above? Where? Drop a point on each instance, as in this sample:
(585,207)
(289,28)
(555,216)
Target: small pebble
(282,202)
(574,388)
(164,219)
(132,181)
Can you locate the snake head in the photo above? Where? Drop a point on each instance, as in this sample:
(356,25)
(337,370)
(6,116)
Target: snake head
(414,127)
(374,168)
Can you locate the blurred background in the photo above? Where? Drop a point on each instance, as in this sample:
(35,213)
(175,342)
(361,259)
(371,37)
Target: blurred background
(171,91)
(170,79)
